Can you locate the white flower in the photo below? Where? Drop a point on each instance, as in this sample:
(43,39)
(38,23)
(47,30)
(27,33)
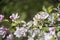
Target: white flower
(1,17)
(47,36)
(3,31)
(51,18)
(31,32)
(40,36)
(10,37)
(35,32)
(35,22)
(30,23)
(58,17)
(20,31)
(52,30)
(44,15)
(37,16)
(24,35)
(14,17)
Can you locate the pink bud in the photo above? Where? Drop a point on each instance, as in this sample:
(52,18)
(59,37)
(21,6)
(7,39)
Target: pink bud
(11,17)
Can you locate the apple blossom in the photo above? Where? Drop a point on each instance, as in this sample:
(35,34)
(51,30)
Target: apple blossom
(30,38)
(1,17)
(52,30)
(14,17)
(35,22)
(3,31)
(35,32)
(47,36)
(20,32)
(37,16)
(44,15)
(30,23)
(10,37)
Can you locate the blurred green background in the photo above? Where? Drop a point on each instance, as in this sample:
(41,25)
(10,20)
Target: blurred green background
(26,8)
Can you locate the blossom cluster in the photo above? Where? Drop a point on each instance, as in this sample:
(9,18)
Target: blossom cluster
(36,29)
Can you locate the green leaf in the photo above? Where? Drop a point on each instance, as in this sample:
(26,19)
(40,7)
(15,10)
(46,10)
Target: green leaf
(44,9)
(13,24)
(50,8)
(58,34)
(6,23)
(6,20)
(52,38)
(40,27)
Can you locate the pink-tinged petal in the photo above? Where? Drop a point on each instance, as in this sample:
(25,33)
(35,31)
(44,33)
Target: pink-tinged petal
(52,28)
(14,17)
(37,16)
(20,32)
(3,31)
(44,15)
(35,22)
(11,17)
(1,17)
(24,35)
(58,17)
(10,37)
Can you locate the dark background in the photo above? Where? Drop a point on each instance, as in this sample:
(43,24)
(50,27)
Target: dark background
(26,8)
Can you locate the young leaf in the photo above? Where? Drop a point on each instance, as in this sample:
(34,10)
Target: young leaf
(50,8)
(44,9)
